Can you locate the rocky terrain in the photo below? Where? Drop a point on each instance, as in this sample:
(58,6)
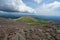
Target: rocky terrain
(11,30)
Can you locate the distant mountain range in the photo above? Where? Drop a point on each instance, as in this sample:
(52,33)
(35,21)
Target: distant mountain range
(16,15)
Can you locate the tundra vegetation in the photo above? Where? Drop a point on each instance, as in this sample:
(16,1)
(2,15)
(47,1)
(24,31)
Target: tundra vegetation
(28,28)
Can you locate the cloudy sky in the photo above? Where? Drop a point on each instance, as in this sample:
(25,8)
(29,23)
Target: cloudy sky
(46,7)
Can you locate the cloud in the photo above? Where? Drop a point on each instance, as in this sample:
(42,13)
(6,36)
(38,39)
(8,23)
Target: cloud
(23,7)
(38,1)
(53,5)
(20,6)
(49,8)
(15,6)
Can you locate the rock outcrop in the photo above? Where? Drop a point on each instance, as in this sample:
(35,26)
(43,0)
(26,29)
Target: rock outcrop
(18,31)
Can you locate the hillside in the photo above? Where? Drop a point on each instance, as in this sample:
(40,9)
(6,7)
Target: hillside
(13,30)
(30,20)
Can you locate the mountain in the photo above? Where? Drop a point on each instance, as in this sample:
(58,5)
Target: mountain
(30,20)
(13,29)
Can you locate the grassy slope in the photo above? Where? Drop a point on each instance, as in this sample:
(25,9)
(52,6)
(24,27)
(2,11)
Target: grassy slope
(31,20)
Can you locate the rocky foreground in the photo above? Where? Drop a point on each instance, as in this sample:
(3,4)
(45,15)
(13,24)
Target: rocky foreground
(18,31)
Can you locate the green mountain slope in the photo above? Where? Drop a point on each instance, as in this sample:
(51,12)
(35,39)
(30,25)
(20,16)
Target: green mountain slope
(30,20)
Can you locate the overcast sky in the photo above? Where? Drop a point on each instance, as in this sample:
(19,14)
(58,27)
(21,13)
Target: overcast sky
(46,7)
